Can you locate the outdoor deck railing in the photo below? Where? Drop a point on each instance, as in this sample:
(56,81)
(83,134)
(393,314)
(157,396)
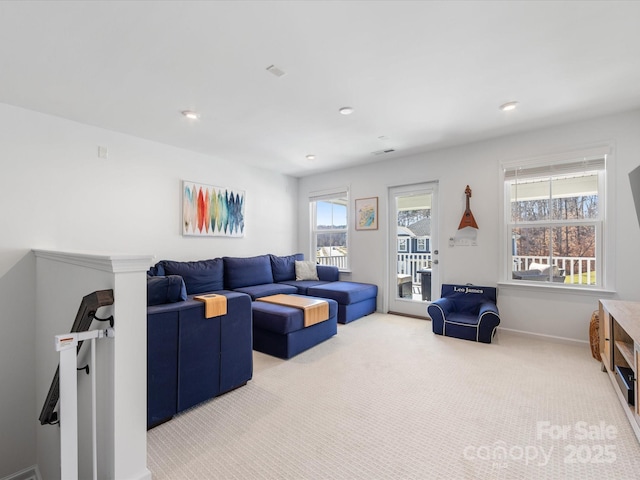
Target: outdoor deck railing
(578,270)
(340,262)
(411,263)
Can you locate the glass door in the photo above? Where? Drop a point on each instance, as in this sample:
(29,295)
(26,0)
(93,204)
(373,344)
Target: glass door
(413,249)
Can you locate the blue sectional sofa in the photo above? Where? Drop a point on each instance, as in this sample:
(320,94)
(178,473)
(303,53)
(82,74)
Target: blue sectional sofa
(271,274)
(191,358)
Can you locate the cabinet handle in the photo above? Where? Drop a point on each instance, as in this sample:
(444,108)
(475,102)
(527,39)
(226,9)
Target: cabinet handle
(606,339)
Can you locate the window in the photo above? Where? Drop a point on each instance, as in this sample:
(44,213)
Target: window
(554,221)
(422,245)
(329,228)
(403,245)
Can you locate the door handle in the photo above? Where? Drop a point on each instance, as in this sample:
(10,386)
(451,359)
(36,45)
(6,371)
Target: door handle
(435,262)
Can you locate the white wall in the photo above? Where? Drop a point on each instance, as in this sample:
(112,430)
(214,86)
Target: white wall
(56,194)
(534,310)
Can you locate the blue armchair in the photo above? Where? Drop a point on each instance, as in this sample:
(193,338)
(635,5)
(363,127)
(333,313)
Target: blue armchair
(465,311)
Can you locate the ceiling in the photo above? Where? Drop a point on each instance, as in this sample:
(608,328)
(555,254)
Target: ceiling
(420,75)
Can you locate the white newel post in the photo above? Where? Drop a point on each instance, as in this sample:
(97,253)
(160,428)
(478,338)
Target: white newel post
(62,280)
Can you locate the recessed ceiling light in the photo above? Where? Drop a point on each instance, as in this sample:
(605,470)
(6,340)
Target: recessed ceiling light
(507,107)
(191,115)
(346,111)
(311,157)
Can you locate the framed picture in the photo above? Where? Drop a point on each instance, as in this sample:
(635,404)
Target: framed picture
(210,211)
(367,213)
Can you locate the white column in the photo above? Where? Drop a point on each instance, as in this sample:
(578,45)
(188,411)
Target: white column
(62,279)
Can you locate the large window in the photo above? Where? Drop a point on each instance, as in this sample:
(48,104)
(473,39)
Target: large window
(554,221)
(329,228)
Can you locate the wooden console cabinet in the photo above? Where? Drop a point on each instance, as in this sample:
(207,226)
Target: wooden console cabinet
(620,347)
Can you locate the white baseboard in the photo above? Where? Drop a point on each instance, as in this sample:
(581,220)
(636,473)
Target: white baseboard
(33,473)
(30,473)
(549,338)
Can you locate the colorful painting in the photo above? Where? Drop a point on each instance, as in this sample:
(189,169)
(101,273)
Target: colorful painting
(367,213)
(212,211)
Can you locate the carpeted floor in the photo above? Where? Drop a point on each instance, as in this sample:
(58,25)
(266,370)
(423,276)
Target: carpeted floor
(387,399)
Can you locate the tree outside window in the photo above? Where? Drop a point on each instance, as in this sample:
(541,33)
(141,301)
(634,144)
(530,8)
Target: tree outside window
(554,224)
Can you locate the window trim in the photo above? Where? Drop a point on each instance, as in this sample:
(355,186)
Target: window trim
(328,195)
(557,164)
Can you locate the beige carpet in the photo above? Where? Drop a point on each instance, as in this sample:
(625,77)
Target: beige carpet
(387,399)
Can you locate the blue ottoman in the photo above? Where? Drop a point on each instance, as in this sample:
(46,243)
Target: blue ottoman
(279,330)
(354,299)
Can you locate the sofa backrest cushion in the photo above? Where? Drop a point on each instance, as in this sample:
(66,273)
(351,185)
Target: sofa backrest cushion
(246,271)
(165,289)
(328,273)
(283,268)
(200,276)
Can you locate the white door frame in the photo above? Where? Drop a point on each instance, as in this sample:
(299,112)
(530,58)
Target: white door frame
(407,306)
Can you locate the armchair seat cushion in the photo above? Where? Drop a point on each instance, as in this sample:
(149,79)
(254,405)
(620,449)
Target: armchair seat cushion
(463,319)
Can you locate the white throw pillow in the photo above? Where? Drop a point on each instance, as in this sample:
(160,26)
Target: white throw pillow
(306,270)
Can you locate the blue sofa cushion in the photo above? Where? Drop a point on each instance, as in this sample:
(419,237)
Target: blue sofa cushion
(328,273)
(283,268)
(281,318)
(165,289)
(277,318)
(345,293)
(244,272)
(156,270)
(303,285)
(199,277)
(266,289)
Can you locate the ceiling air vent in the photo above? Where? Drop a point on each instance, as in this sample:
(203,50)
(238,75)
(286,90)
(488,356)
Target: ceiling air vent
(382,152)
(275,71)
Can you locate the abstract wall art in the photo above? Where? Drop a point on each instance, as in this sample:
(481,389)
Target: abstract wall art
(367,213)
(209,211)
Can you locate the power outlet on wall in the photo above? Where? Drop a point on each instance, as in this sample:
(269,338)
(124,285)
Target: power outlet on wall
(103,152)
